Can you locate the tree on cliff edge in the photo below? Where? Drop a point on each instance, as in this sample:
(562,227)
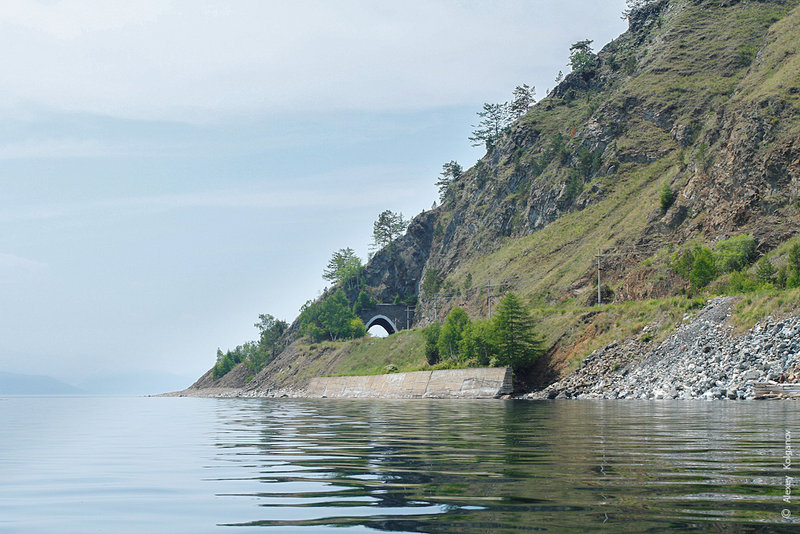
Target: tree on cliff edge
(387,228)
(494,119)
(451,172)
(343,268)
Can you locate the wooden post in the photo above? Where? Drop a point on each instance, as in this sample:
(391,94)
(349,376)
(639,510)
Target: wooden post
(489,296)
(599,297)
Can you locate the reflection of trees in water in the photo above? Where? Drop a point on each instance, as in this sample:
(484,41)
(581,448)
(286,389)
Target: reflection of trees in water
(443,466)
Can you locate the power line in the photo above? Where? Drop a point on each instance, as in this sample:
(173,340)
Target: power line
(610,252)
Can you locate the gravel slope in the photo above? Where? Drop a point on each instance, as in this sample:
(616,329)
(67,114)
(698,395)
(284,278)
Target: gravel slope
(702,359)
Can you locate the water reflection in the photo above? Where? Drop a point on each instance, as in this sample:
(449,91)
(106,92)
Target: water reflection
(420,466)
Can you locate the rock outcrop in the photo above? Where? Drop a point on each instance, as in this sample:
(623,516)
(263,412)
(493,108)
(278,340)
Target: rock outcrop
(699,96)
(701,360)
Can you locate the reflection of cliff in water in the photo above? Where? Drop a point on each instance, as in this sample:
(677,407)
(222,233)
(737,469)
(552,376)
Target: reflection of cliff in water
(475,466)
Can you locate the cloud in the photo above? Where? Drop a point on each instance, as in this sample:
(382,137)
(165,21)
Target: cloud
(12,266)
(354,187)
(189,58)
(56,148)
(71,19)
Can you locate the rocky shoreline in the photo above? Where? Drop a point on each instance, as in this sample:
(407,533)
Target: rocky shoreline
(702,359)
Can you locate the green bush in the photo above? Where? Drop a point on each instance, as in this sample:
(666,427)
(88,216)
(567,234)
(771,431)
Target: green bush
(574,186)
(452,333)
(588,162)
(765,271)
(739,283)
(478,343)
(432,281)
(701,266)
(330,318)
(667,198)
(682,262)
(734,254)
(703,270)
(793,267)
(363,302)
(431,335)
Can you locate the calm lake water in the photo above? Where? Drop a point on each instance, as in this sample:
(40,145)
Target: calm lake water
(213,465)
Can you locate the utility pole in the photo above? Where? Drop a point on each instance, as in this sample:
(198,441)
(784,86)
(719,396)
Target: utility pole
(631,251)
(489,296)
(408,315)
(599,297)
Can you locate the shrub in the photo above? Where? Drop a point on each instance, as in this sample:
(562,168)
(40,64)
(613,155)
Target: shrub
(432,281)
(574,186)
(667,198)
(740,283)
(765,271)
(588,162)
(782,277)
(682,262)
(331,318)
(735,254)
(452,333)
(793,281)
(479,343)
(363,302)
(794,257)
(703,270)
(431,335)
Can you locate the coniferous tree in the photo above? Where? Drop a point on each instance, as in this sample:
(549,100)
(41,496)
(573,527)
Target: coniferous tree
(632,5)
(494,119)
(765,271)
(387,228)
(523,99)
(581,56)
(271,331)
(517,343)
(793,264)
(667,197)
(344,267)
(451,171)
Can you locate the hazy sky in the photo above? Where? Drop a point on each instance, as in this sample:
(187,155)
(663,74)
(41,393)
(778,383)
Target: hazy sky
(171,169)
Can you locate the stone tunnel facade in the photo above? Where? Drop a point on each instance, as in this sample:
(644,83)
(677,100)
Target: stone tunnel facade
(392,317)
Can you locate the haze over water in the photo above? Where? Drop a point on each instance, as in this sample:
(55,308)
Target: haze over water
(79,464)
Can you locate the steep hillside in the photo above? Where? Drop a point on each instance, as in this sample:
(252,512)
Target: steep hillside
(698,96)
(701,97)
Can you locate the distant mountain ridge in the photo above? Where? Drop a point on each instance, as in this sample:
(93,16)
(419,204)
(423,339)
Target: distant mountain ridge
(22,384)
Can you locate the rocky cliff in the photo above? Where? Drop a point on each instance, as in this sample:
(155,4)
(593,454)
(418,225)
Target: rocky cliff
(702,96)
(699,96)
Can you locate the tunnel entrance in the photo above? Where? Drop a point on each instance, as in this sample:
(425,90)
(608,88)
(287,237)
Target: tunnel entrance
(384,322)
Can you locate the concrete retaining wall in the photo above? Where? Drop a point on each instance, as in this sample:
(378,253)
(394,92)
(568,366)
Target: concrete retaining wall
(445,384)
